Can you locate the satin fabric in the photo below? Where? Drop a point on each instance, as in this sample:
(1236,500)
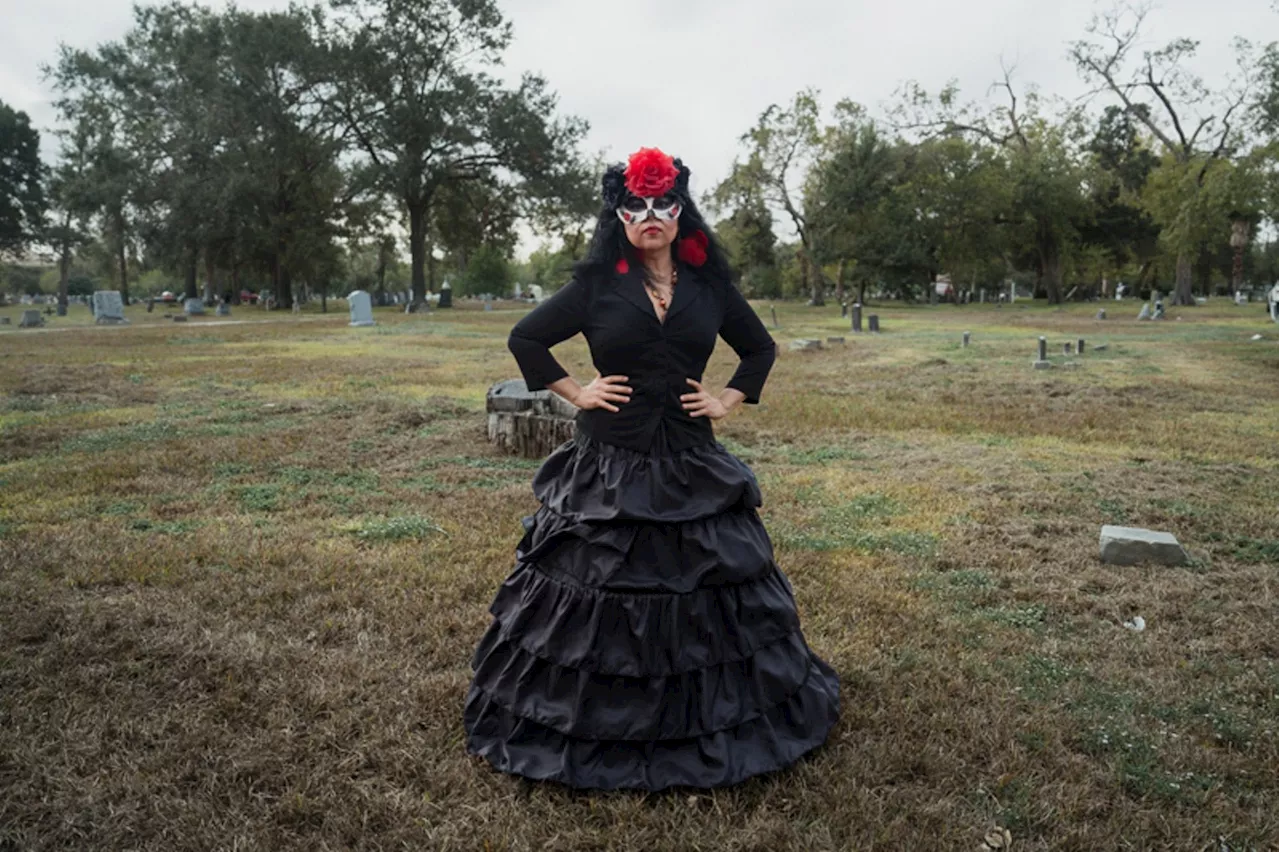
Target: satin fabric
(646,638)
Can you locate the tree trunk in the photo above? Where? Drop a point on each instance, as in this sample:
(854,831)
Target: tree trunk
(210,286)
(192,274)
(418,249)
(840,281)
(1182,281)
(64,272)
(122,258)
(235,283)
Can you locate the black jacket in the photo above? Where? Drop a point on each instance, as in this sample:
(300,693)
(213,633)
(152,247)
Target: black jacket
(626,338)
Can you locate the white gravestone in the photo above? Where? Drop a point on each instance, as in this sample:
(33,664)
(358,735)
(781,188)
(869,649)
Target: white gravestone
(1131,545)
(193,306)
(361,306)
(108,307)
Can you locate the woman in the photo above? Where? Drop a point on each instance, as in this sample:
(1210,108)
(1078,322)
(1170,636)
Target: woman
(646,638)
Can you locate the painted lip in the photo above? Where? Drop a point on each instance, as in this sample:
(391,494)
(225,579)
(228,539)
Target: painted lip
(652,230)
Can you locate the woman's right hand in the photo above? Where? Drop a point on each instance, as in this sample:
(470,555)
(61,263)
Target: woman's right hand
(602,392)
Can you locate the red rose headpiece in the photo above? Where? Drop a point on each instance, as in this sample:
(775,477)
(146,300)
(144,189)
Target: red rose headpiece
(651,173)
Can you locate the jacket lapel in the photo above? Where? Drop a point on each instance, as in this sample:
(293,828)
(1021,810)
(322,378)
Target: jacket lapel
(631,286)
(688,285)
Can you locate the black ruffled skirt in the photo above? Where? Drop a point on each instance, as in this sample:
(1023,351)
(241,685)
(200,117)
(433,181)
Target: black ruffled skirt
(646,638)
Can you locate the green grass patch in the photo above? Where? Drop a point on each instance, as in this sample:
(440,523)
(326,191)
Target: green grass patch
(400,528)
(259,498)
(163,527)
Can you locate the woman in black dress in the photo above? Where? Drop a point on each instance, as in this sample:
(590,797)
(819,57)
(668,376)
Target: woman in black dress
(646,638)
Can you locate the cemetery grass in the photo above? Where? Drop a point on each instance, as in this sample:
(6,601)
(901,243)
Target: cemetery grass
(243,569)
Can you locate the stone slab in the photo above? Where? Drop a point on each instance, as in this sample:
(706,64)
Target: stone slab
(1131,545)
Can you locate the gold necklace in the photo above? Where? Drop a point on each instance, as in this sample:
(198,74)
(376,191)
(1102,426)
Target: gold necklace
(662,300)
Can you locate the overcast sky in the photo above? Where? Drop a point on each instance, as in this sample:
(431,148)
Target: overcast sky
(691,76)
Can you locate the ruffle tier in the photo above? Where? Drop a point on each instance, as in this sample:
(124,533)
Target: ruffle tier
(646,638)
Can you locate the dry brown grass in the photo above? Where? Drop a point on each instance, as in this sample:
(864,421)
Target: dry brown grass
(243,569)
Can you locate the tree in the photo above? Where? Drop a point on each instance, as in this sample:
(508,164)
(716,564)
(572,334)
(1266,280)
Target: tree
(22,199)
(1120,226)
(1046,171)
(1195,127)
(417,98)
(781,148)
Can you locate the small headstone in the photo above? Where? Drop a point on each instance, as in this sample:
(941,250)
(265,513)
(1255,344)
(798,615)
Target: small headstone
(361,307)
(1080,346)
(31,319)
(193,306)
(61,310)
(964,340)
(151,305)
(4,320)
(844,310)
(1042,361)
(1102,313)
(856,323)
(1145,313)
(805,345)
(446,296)
(1101,347)
(982,296)
(873,323)
(835,340)
(224,310)
(108,307)
(1131,545)
(1067,348)
(178,317)
(487,306)
(1256,337)
(1159,314)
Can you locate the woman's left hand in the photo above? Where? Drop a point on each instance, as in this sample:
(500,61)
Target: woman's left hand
(702,404)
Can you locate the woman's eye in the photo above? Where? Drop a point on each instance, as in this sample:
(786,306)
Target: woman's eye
(633,205)
(665,201)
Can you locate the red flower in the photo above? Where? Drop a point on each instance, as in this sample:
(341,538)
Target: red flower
(693,249)
(650,173)
(622,266)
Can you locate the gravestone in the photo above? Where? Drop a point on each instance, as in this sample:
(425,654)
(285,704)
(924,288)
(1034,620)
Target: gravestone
(1101,347)
(361,307)
(844,310)
(1145,313)
(964,342)
(1102,313)
(446,295)
(1067,348)
(805,345)
(108,309)
(1159,312)
(855,324)
(31,319)
(1131,545)
(1042,360)
(4,320)
(1080,346)
(873,323)
(529,423)
(194,307)
(224,310)
(982,296)
(61,309)
(835,340)
(178,317)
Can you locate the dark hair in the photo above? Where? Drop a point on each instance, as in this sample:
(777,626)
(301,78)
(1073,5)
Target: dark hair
(609,242)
